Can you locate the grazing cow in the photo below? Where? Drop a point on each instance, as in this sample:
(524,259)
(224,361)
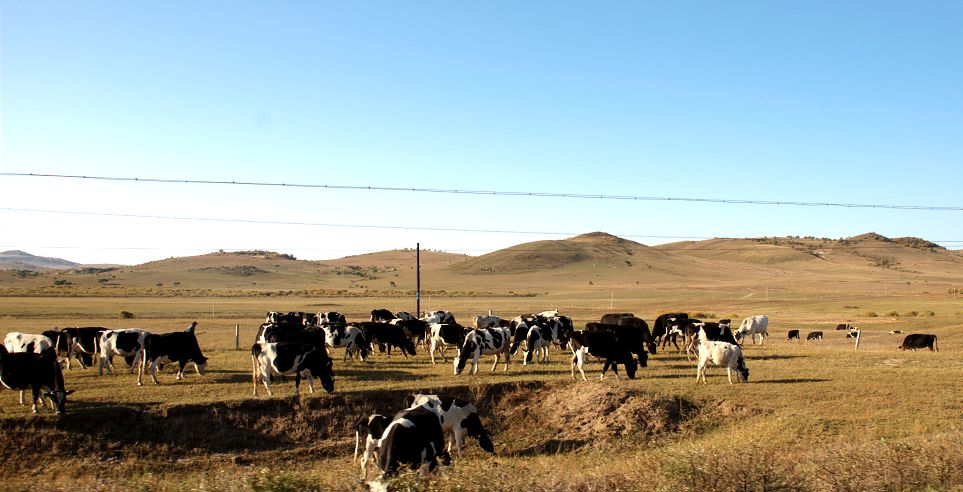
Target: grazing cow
(288,358)
(445,335)
(387,334)
(381,316)
(752,326)
(714,332)
(720,354)
(631,337)
(180,347)
(331,318)
(662,323)
(542,336)
(413,438)
(273,330)
(313,335)
(853,332)
(918,341)
(433,317)
(604,345)
(23,370)
(814,335)
(631,320)
(487,341)
(404,315)
(518,327)
(481,321)
(416,329)
(125,343)
(373,428)
(843,326)
(613,318)
(61,346)
(895,332)
(85,343)
(458,418)
(792,335)
(349,337)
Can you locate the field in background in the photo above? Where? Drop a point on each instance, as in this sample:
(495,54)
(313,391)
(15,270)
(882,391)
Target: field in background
(815,416)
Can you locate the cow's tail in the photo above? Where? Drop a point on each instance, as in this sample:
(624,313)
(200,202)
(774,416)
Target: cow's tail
(936,344)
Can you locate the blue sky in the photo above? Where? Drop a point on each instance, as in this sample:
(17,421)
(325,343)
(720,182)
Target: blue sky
(855,102)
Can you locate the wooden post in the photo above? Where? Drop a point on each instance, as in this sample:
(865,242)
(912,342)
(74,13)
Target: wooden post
(858,333)
(237,342)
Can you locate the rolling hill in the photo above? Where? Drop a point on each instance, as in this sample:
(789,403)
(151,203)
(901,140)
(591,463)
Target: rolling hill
(18,260)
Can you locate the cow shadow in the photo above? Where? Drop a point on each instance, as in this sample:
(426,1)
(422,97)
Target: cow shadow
(794,381)
(775,357)
(378,374)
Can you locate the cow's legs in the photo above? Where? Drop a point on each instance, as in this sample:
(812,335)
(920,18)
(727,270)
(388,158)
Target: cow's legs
(254,373)
(577,361)
(153,371)
(310,377)
(180,372)
(266,380)
(297,382)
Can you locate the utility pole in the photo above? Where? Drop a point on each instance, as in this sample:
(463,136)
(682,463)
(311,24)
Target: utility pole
(418,280)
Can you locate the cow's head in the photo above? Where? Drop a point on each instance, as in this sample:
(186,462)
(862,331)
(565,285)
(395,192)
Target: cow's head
(59,397)
(323,368)
(408,346)
(473,425)
(743,370)
(467,351)
(631,367)
(200,364)
(650,346)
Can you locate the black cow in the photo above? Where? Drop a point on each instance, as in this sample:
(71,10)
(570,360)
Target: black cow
(311,335)
(844,326)
(269,330)
(918,341)
(381,316)
(416,329)
(814,335)
(180,347)
(291,358)
(61,345)
(603,345)
(792,335)
(413,438)
(388,335)
(85,341)
(19,371)
(632,338)
(613,318)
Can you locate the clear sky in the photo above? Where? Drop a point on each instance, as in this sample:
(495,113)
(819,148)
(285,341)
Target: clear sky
(853,102)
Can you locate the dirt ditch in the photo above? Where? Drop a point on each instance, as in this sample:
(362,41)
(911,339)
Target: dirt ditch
(525,419)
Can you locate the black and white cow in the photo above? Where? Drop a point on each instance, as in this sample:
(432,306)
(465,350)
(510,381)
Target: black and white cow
(792,335)
(661,326)
(814,335)
(331,318)
(488,341)
(125,343)
(61,346)
(843,326)
(715,332)
(720,354)
(404,315)
(918,341)
(180,347)
(269,332)
(444,336)
(37,372)
(438,317)
(388,335)
(372,428)
(459,418)
(85,343)
(293,317)
(518,327)
(631,336)
(288,358)
(488,321)
(16,342)
(414,438)
(604,345)
(542,336)
(349,337)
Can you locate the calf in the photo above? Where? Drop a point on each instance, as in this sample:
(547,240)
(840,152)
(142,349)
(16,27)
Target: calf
(632,338)
(458,418)
(603,345)
(792,335)
(291,358)
(373,428)
(488,341)
(918,341)
(814,335)
(19,371)
(414,438)
(180,347)
(125,343)
(445,335)
(349,337)
(720,354)
(389,335)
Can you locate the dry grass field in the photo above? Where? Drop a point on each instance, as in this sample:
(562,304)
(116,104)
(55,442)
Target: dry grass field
(814,416)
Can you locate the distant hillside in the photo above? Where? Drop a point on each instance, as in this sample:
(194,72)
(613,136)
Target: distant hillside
(19,260)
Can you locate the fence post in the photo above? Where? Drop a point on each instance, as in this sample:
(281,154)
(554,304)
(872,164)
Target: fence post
(858,333)
(237,328)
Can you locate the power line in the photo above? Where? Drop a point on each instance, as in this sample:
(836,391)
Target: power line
(495,192)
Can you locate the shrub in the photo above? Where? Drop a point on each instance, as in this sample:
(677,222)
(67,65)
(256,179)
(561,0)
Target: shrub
(702,315)
(271,481)
(126,314)
(850,307)
(870,314)
(911,313)
(893,314)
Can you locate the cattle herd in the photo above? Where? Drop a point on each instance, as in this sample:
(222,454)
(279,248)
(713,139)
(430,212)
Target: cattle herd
(299,344)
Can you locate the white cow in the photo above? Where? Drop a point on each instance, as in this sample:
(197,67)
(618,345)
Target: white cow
(720,354)
(752,326)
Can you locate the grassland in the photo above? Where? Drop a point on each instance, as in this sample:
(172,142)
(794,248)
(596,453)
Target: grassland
(815,416)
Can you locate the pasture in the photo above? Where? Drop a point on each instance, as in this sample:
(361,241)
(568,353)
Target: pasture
(814,416)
